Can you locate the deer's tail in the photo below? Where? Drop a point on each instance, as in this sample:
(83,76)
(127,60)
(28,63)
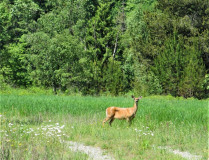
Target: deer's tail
(110,112)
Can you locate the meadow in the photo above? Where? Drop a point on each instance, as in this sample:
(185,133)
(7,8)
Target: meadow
(36,127)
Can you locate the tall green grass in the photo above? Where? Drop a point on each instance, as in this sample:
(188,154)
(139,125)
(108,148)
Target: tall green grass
(152,109)
(160,121)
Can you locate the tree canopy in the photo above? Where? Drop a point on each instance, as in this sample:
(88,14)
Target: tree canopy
(106,47)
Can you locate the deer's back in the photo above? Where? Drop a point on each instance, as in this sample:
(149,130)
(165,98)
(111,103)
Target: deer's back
(119,113)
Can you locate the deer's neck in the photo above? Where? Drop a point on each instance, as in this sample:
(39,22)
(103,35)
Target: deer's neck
(135,107)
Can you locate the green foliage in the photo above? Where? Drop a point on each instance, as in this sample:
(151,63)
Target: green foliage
(106,47)
(101,42)
(113,78)
(62,53)
(18,64)
(180,69)
(167,47)
(14,70)
(24,13)
(5,23)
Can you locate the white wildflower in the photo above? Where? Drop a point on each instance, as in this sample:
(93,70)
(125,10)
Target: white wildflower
(62,126)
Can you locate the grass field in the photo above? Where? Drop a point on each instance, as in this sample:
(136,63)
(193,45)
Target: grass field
(34,127)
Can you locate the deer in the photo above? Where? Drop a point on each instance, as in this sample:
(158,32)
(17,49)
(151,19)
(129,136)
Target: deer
(128,114)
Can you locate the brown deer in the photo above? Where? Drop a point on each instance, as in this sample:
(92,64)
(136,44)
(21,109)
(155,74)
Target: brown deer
(122,113)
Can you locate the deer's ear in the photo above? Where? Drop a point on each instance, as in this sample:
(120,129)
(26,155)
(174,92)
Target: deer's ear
(132,96)
(140,97)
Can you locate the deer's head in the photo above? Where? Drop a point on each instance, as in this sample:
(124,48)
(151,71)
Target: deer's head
(136,99)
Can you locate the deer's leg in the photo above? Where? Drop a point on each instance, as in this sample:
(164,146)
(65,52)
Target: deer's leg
(105,120)
(130,122)
(111,121)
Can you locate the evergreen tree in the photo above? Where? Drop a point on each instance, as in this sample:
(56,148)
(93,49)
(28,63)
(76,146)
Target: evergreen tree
(100,42)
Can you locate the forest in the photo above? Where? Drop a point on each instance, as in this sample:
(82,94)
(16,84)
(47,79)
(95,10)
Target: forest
(113,47)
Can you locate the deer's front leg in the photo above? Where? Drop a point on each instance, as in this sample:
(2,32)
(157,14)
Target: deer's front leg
(128,120)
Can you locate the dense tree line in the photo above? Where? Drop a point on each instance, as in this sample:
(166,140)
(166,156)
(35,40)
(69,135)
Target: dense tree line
(102,46)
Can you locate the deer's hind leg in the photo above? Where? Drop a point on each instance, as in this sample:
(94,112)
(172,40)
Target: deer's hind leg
(111,120)
(106,119)
(109,115)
